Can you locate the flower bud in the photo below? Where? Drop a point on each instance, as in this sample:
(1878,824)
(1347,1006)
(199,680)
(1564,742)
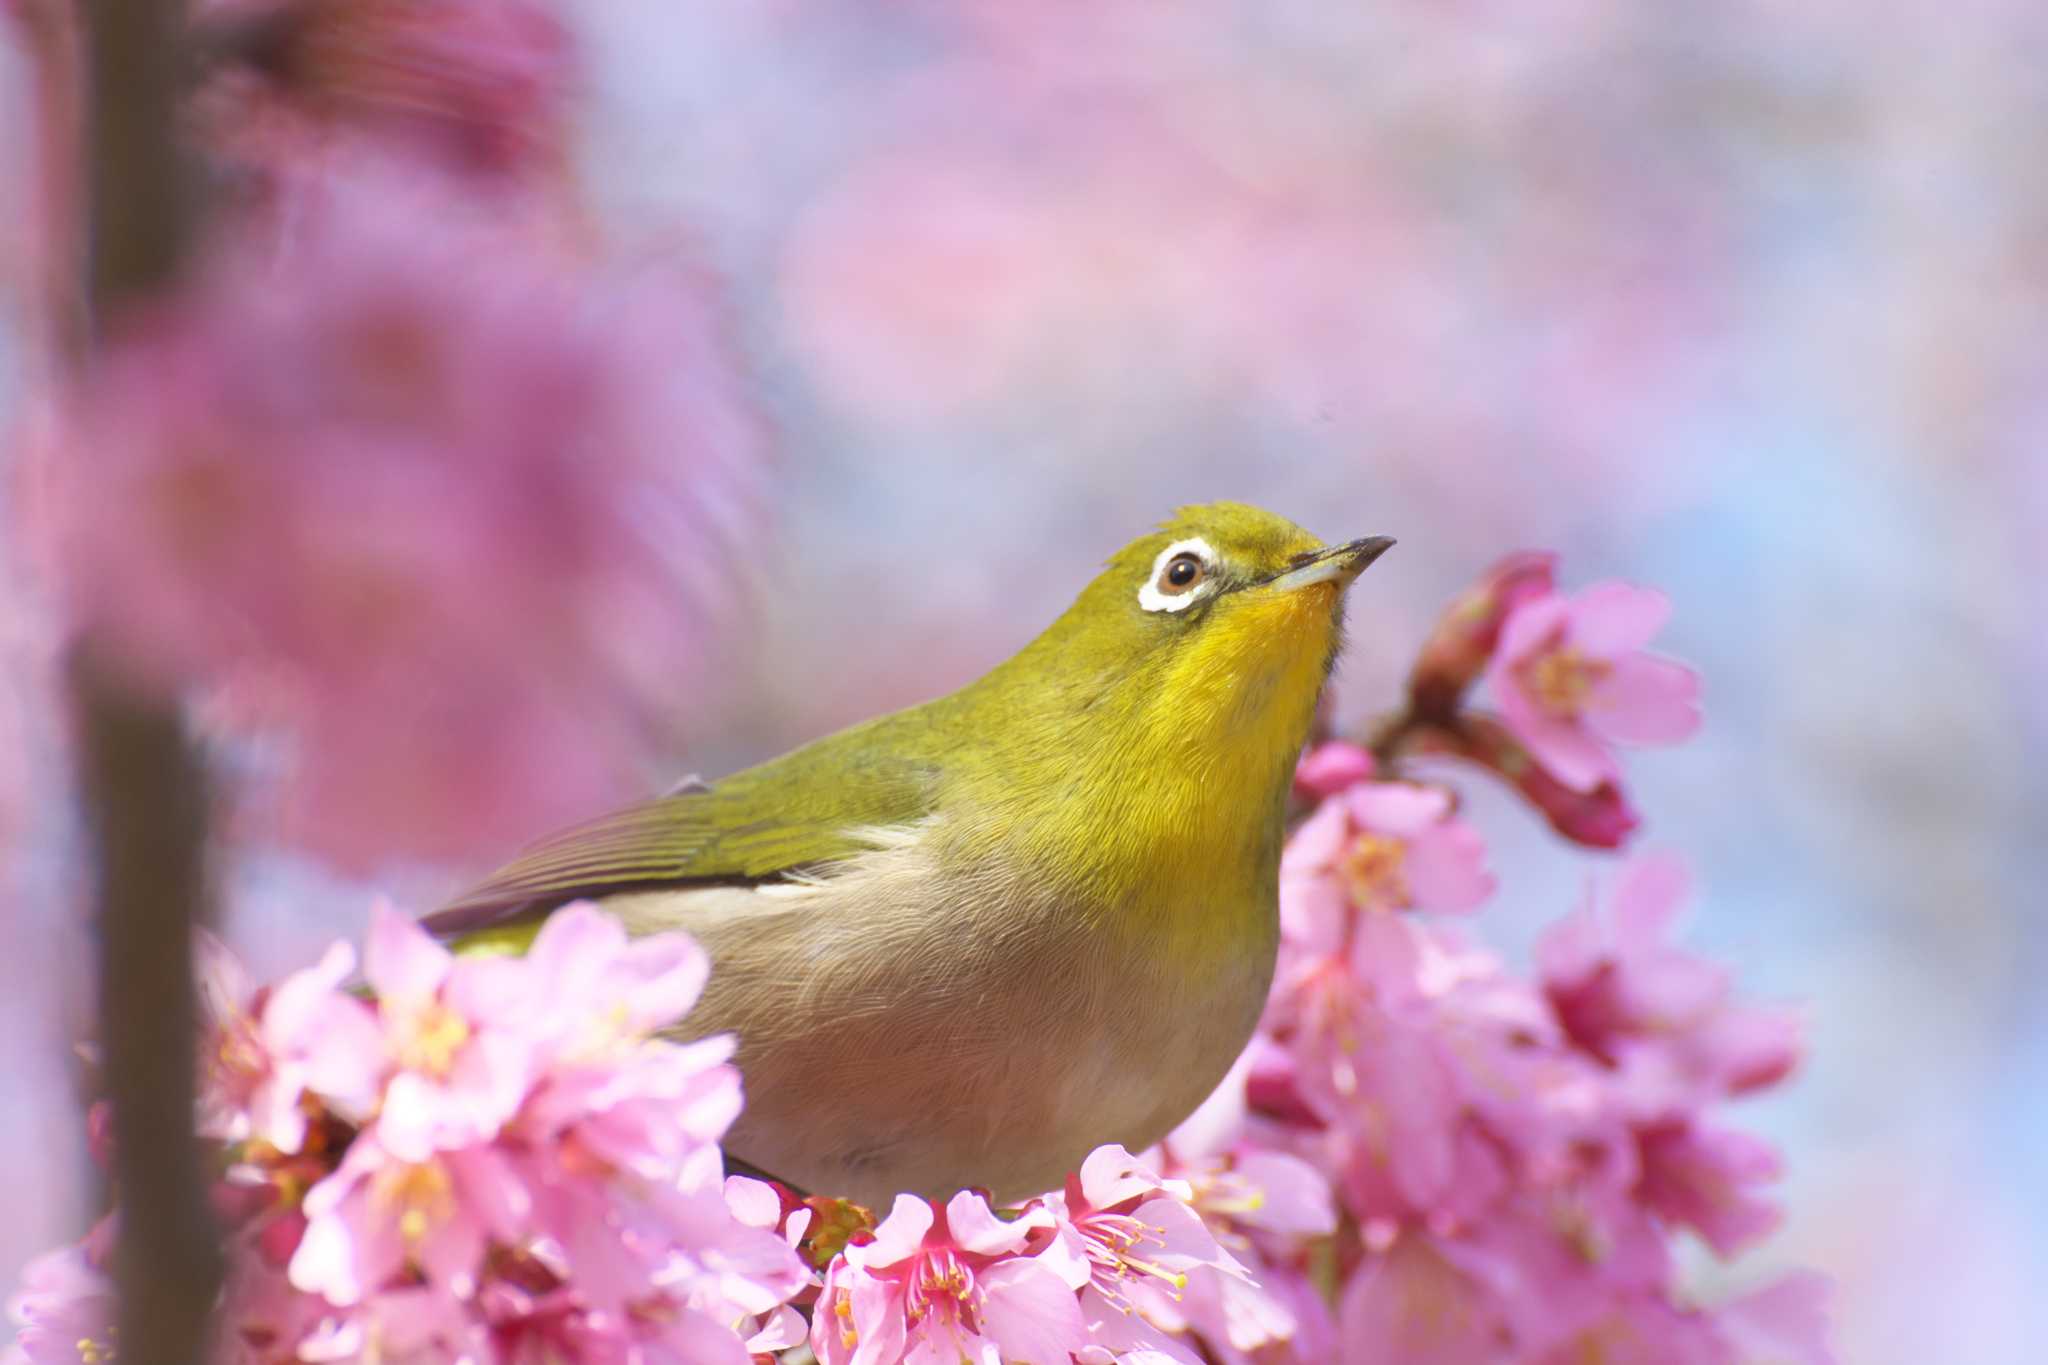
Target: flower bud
(1329,768)
(1457,651)
(1599,818)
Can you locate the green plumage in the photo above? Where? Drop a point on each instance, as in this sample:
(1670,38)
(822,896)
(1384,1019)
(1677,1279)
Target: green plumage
(793,813)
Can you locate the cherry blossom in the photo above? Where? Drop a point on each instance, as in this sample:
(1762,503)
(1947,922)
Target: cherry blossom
(935,1286)
(1571,674)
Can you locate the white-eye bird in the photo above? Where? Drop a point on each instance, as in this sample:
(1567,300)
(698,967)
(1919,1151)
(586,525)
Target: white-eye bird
(964,944)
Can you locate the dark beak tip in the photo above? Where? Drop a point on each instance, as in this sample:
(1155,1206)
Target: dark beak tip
(1364,552)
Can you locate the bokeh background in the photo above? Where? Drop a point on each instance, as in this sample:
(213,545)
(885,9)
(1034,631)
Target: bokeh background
(1745,301)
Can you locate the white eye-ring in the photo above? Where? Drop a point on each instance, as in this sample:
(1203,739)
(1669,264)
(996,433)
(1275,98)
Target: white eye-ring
(1182,575)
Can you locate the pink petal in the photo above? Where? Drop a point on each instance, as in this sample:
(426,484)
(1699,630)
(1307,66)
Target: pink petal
(697,1338)
(1296,1196)
(1612,619)
(400,961)
(897,1237)
(753,1202)
(1030,1313)
(575,946)
(1067,1257)
(1646,700)
(1571,947)
(1187,1240)
(1784,1321)
(295,1005)
(1567,751)
(1446,869)
(1110,1175)
(1315,912)
(1411,1306)
(492,1192)
(975,1227)
(343,1057)
(1653,889)
(1384,955)
(325,1262)
(1401,808)
(407,1124)
(665,975)
(779,1331)
(224,985)
(1528,627)
(1315,844)
(877,1317)
(492,989)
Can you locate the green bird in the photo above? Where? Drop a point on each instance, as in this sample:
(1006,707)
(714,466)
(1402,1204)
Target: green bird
(964,944)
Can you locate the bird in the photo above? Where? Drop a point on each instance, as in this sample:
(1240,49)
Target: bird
(964,944)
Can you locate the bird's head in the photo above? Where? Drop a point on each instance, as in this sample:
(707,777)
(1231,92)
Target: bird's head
(1205,642)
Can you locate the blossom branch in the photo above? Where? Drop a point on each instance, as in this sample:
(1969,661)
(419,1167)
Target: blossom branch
(140,777)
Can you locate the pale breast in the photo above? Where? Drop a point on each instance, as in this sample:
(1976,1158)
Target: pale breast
(901,1029)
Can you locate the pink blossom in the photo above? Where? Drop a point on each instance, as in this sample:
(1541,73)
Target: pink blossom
(1264,1208)
(460,1061)
(264,1050)
(1664,1016)
(475,85)
(422,512)
(1129,1241)
(379,1214)
(1410,1304)
(1468,631)
(1785,1321)
(934,1287)
(1382,846)
(1600,817)
(1705,1178)
(64,1309)
(594,995)
(1570,675)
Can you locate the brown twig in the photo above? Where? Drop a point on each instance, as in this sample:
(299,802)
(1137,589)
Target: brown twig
(143,786)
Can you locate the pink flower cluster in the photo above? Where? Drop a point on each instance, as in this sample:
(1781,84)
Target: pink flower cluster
(1121,1267)
(416,488)
(410,503)
(481,1158)
(1513,1158)
(1422,1157)
(1571,676)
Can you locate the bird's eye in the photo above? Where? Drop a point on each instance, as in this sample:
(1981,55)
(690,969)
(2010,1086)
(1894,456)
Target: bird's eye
(1181,573)
(1177,576)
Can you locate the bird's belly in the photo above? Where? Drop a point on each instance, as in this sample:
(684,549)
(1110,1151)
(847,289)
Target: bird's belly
(891,1046)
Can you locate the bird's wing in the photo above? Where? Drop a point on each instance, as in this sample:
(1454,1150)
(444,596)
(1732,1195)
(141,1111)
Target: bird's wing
(797,812)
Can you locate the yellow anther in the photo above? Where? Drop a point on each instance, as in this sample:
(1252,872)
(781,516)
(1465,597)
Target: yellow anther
(431,1038)
(1375,870)
(1562,679)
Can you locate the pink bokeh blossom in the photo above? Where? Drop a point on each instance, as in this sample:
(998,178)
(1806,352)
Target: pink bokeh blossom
(424,509)
(268,1048)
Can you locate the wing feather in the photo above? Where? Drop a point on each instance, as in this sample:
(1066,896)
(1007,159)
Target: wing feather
(795,813)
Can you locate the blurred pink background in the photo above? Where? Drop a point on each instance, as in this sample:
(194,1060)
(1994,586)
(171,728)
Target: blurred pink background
(1746,303)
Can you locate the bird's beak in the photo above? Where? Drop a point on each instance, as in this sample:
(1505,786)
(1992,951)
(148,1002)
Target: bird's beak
(1339,564)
